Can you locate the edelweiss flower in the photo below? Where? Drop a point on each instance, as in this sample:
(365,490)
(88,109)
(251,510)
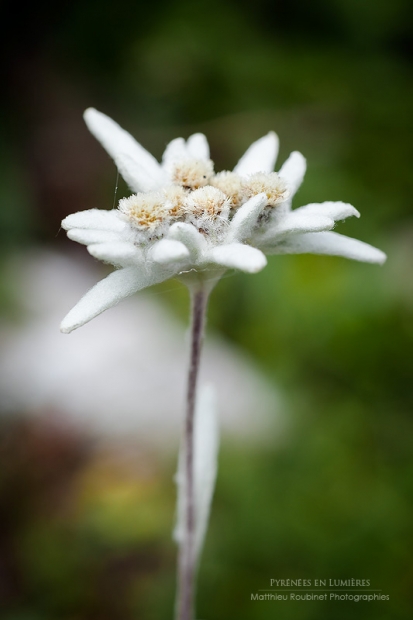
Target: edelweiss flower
(185,221)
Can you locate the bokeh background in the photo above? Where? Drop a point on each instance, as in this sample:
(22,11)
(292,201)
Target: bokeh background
(86,516)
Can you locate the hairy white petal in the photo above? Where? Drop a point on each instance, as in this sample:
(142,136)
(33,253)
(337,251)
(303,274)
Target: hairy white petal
(260,156)
(206,443)
(139,168)
(293,171)
(330,243)
(95,218)
(175,151)
(118,253)
(246,218)
(197,146)
(168,250)
(104,295)
(336,210)
(292,223)
(189,236)
(238,256)
(304,222)
(88,235)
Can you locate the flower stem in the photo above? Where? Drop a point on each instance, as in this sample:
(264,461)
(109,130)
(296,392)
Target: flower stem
(187,559)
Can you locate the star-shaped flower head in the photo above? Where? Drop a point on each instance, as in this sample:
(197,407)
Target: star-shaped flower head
(186,221)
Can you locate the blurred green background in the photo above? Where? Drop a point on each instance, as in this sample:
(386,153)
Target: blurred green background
(84,536)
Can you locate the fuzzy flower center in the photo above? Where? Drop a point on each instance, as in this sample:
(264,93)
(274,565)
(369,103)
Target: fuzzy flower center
(270,184)
(145,211)
(192,173)
(206,202)
(230,184)
(175,197)
(207,208)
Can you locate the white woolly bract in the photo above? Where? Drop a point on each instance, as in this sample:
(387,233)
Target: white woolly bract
(206,444)
(139,168)
(238,256)
(260,156)
(333,244)
(292,171)
(246,218)
(168,251)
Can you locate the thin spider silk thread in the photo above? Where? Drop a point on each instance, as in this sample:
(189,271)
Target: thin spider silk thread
(116,188)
